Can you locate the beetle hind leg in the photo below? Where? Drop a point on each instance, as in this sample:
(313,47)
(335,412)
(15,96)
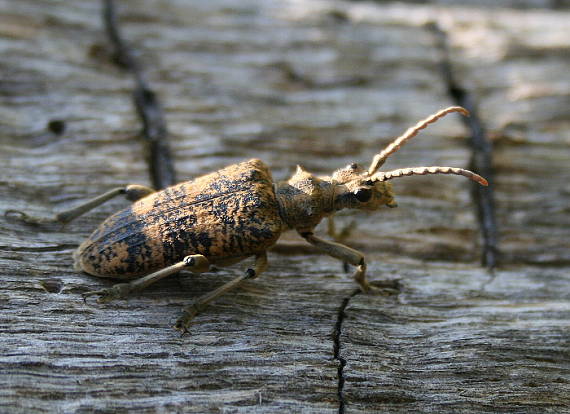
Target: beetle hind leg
(132,192)
(195,263)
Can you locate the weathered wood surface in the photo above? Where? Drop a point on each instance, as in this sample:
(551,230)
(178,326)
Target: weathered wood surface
(321,84)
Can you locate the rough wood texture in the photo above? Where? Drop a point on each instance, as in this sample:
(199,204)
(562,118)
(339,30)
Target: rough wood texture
(321,84)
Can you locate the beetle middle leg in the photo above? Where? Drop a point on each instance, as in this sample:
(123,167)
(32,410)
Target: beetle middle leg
(132,192)
(195,263)
(190,311)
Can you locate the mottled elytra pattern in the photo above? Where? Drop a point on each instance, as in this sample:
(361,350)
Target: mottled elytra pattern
(226,216)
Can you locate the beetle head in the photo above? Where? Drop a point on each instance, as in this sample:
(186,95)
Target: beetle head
(368,189)
(359,191)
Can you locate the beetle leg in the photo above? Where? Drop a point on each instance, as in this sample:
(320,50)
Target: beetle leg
(354,257)
(344,253)
(190,311)
(340,236)
(132,192)
(343,234)
(195,263)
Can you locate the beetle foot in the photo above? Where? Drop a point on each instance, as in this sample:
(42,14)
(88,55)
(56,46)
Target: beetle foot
(22,217)
(183,323)
(118,291)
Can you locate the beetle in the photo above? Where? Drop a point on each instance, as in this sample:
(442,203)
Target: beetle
(226,216)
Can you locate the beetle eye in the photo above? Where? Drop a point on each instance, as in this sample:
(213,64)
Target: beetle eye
(354,166)
(363,194)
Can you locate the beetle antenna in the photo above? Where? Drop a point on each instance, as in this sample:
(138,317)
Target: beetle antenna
(380,159)
(388,175)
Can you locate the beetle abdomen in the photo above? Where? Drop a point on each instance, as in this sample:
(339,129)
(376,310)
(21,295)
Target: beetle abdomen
(228,214)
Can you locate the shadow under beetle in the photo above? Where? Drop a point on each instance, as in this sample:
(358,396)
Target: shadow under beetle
(226,216)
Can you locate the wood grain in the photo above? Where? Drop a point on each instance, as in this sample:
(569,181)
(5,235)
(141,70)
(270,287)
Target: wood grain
(320,84)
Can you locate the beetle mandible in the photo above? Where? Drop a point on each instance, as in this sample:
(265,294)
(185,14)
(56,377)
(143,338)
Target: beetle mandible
(231,214)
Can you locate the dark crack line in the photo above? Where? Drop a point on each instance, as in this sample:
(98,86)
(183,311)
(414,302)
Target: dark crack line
(146,102)
(481,153)
(336,350)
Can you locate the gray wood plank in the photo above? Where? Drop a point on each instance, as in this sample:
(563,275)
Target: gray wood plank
(320,84)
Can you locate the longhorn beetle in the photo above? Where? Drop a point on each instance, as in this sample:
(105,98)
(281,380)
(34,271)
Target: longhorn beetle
(226,216)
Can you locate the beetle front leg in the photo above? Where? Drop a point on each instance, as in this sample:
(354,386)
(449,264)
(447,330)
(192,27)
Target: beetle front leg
(344,253)
(190,311)
(132,192)
(194,263)
(354,257)
(343,234)
(340,236)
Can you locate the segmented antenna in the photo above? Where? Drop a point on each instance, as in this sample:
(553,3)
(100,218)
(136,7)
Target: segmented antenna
(380,159)
(388,175)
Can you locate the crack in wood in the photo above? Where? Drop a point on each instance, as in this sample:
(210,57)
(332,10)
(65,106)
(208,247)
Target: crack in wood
(481,151)
(146,102)
(336,349)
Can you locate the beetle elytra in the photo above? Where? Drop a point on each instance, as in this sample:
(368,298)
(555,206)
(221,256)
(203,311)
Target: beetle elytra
(226,216)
